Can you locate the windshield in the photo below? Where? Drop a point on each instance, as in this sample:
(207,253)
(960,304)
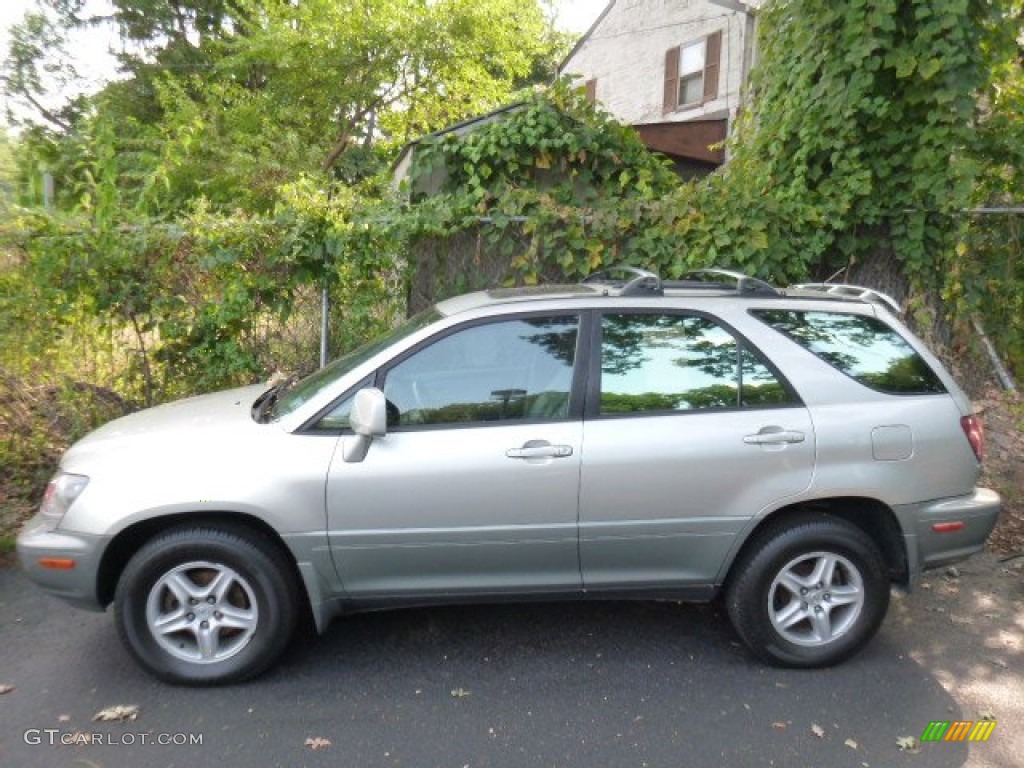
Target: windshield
(306,389)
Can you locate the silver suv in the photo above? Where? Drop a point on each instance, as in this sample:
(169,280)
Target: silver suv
(796,451)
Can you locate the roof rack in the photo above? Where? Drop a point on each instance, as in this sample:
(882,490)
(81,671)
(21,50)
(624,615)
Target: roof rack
(852,291)
(642,282)
(721,278)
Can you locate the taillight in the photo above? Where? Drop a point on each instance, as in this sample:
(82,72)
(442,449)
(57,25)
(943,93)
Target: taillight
(975,433)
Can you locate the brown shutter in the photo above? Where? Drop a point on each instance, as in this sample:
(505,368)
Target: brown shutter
(671,81)
(712,64)
(590,89)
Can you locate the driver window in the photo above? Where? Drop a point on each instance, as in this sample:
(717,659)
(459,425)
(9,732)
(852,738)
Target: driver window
(500,371)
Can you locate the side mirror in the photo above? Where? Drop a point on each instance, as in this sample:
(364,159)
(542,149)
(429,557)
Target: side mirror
(368,419)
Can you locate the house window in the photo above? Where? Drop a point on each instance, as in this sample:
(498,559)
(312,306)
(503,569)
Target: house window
(691,73)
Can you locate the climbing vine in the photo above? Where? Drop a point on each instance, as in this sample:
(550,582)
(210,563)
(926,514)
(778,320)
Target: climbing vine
(853,150)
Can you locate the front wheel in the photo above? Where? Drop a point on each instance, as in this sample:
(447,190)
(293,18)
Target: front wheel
(808,594)
(204,605)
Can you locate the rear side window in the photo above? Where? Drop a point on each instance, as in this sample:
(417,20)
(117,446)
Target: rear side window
(862,347)
(668,362)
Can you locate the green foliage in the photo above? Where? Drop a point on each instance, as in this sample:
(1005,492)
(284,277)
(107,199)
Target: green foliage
(861,116)
(557,187)
(560,183)
(989,271)
(211,301)
(859,146)
(8,173)
(228,101)
(35,64)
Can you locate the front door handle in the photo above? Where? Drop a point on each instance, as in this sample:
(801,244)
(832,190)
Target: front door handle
(775,436)
(539,449)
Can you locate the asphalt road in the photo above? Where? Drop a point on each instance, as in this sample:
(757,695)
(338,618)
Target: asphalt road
(589,684)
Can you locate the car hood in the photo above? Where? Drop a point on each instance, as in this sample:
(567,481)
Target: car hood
(194,420)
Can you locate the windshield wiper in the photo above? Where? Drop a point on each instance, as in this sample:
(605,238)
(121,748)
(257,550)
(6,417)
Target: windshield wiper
(262,409)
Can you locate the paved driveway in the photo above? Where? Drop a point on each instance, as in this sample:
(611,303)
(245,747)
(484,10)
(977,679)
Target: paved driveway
(591,684)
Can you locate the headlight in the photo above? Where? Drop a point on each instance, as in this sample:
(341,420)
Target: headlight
(61,493)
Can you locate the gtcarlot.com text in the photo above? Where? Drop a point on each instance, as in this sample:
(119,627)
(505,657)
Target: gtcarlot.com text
(58,737)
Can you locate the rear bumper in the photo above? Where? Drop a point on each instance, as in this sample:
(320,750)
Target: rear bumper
(970,519)
(39,542)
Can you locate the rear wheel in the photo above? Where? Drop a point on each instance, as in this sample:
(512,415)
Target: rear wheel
(206,605)
(810,593)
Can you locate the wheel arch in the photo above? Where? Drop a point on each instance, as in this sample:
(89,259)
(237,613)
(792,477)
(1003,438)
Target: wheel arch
(871,516)
(128,541)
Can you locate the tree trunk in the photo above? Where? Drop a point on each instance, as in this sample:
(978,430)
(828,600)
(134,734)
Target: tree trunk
(925,314)
(879,269)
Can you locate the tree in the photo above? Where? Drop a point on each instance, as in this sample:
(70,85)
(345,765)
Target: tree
(35,67)
(229,100)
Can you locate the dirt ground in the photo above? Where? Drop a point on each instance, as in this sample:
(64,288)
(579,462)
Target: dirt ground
(1003,416)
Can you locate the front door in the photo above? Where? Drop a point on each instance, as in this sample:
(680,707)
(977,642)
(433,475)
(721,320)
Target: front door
(474,490)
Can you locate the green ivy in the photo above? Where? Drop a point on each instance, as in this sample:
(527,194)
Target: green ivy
(858,145)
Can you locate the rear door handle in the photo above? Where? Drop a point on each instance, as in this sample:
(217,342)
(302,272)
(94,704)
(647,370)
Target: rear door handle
(539,449)
(774,436)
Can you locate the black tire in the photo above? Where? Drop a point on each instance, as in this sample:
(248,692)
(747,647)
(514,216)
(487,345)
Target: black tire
(771,586)
(247,619)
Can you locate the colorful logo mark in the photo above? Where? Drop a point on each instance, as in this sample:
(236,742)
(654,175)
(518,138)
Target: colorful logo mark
(958,730)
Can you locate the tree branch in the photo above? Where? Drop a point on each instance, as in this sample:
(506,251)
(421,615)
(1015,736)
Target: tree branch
(45,113)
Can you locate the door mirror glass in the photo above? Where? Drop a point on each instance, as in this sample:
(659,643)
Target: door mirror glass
(368,420)
(369,413)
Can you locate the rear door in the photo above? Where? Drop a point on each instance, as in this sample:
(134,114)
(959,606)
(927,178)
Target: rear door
(689,432)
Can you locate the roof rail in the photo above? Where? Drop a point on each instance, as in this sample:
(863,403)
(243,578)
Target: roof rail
(852,291)
(719,278)
(642,282)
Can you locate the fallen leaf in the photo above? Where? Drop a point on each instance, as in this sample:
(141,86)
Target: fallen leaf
(906,742)
(986,715)
(817,730)
(64,719)
(318,742)
(119,713)
(459,693)
(6,689)
(779,726)
(850,743)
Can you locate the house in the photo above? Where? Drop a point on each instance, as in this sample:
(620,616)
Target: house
(401,169)
(672,69)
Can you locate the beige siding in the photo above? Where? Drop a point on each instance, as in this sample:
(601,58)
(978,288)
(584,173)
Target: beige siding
(626,54)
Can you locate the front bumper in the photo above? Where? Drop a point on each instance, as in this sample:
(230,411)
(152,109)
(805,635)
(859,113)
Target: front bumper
(968,521)
(39,541)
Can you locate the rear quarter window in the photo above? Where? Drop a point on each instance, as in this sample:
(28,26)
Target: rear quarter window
(861,346)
